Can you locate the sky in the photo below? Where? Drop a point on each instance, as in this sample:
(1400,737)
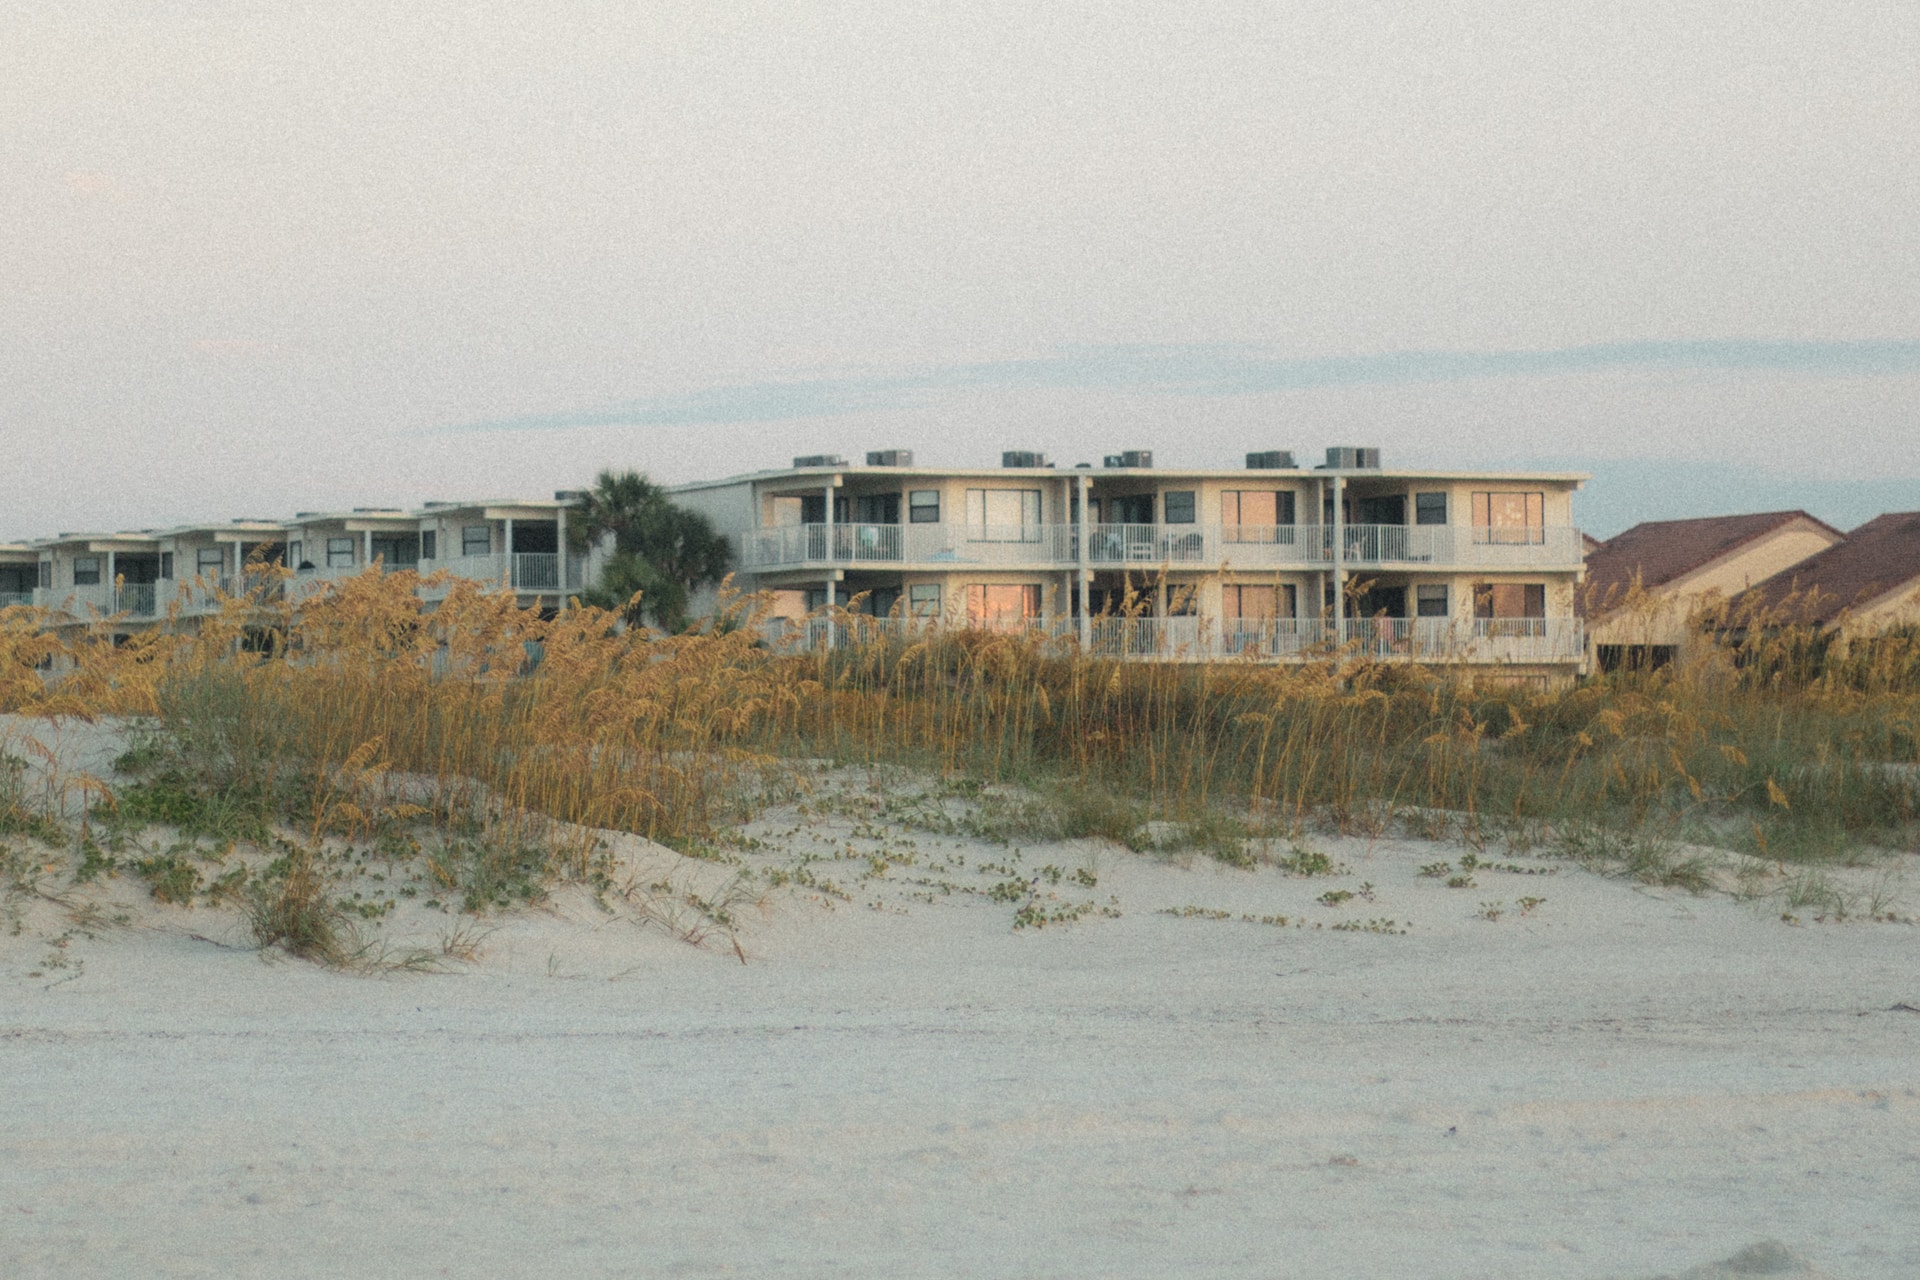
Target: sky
(261,257)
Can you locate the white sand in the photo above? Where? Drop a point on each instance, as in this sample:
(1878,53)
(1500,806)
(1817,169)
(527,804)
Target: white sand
(1622,1082)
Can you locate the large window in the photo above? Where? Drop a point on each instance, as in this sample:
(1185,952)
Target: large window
(923,600)
(339,553)
(86,571)
(1509,518)
(1003,515)
(1180,506)
(1430,508)
(1430,600)
(209,562)
(923,506)
(1257,515)
(1259,604)
(1509,600)
(996,605)
(476,540)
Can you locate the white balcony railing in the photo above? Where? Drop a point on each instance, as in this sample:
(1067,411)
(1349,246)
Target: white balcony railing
(522,571)
(12,599)
(1431,640)
(1153,545)
(100,599)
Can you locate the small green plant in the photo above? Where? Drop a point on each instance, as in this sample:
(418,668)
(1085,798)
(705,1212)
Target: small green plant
(1527,905)
(1492,910)
(1334,897)
(1437,870)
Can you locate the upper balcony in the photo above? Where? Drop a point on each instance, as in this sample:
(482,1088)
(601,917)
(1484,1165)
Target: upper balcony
(135,601)
(1198,546)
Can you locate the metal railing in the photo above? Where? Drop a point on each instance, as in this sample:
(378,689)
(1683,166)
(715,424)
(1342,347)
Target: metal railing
(522,571)
(1153,545)
(1433,640)
(13,599)
(130,600)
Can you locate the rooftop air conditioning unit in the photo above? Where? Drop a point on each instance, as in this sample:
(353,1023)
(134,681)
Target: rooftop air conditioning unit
(559,495)
(1130,458)
(1352,458)
(890,457)
(1022,458)
(1270,460)
(819,460)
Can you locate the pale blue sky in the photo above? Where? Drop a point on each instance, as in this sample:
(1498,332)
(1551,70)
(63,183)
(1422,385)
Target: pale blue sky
(261,259)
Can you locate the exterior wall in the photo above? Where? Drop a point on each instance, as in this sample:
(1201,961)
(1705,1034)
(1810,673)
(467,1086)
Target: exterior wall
(1899,607)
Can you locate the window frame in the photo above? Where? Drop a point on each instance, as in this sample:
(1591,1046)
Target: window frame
(94,567)
(468,541)
(200,568)
(917,510)
(1189,506)
(429,543)
(1421,504)
(918,600)
(1423,596)
(335,550)
(981,530)
(1532,532)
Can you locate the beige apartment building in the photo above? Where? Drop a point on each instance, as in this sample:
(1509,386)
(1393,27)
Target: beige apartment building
(1269,560)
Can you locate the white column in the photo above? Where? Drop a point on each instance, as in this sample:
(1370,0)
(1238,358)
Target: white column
(506,550)
(366,549)
(1339,550)
(560,540)
(827,533)
(1083,553)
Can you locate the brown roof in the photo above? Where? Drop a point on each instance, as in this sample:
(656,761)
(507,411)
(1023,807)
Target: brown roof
(1880,556)
(1660,551)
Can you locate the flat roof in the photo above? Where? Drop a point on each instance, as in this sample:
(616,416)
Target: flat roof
(1575,478)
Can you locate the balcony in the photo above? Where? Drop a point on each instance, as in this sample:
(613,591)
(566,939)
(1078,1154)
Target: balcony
(1495,642)
(1152,545)
(15,599)
(134,600)
(531,571)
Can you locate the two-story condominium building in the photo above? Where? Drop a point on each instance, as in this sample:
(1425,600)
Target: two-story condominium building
(1269,560)
(516,543)
(145,576)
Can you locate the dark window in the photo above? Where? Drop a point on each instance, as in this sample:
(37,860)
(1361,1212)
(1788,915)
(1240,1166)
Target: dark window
(86,571)
(429,542)
(339,553)
(1429,508)
(1180,506)
(207,562)
(1430,601)
(476,540)
(877,508)
(923,506)
(923,599)
(1390,509)
(166,564)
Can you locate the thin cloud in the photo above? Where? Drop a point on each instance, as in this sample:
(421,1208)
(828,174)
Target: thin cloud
(1219,370)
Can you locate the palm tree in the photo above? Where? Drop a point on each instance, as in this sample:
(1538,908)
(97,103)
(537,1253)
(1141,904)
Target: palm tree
(661,551)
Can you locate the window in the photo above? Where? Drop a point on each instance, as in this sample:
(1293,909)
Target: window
(923,599)
(295,549)
(1509,518)
(46,573)
(996,606)
(339,553)
(166,564)
(1257,515)
(1429,508)
(1180,506)
(396,550)
(1259,604)
(877,508)
(923,507)
(1003,515)
(429,543)
(86,571)
(1509,600)
(1430,600)
(476,540)
(209,562)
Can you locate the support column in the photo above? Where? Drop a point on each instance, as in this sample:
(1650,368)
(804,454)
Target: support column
(1083,554)
(1339,554)
(366,549)
(113,585)
(560,540)
(506,553)
(826,531)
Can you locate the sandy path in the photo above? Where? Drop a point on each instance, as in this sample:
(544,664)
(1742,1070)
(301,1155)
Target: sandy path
(1622,1083)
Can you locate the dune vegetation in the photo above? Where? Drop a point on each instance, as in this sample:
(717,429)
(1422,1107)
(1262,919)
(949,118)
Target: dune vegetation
(496,740)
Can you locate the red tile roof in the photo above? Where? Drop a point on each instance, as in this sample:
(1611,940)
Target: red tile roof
(1880,556)
(1660,551)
